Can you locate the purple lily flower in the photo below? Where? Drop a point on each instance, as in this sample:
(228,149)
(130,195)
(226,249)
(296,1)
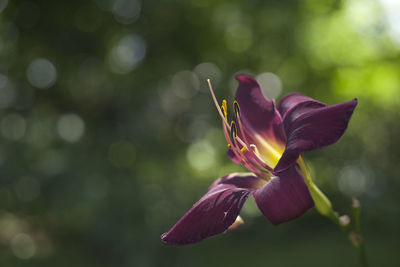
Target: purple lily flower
(269,141)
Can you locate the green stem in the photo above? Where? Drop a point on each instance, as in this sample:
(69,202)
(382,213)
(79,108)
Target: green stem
(355,238)
(356,207)
(362,255)
(353,234)
(324,207)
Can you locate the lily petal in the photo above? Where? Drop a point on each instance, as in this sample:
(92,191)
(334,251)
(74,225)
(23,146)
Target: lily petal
(284,197)
(261,120)
(299,109)
(291,100)
(257,112)
(314,129)
(215,211)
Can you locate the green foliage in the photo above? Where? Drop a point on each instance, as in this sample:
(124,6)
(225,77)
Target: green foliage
(108,133)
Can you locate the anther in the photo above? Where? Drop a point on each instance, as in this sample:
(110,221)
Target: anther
(217,104)
(224,108)
(243,150)
(236,109)
(233,130)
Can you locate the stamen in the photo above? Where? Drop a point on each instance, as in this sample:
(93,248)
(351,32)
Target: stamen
(253,146)
(224,108)
(217,105)
(233,139)
(236,109)
(256,155)
(258,159)
(233,130)
(258,169)
(235,149)
(255,168)
(225,122)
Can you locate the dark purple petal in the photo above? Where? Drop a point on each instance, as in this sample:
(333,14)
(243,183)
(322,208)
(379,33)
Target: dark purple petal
(284,198)
(289,101)
(237,180)
(296,111)
(215,211)
(315,129)
(258,114)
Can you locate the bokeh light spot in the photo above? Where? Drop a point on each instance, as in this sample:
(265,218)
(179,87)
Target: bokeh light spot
(206,71)
(70,127)
(391,9)
(172,104)
(126,11)
(353,181)
(23,246)
(126,55)
(41,73)
(201,155)
(185,84)
(271,85)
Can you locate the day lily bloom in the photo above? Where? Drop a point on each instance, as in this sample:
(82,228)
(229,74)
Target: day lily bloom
(269,141)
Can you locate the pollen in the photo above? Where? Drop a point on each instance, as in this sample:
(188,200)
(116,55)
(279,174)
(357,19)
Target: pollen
(243,150)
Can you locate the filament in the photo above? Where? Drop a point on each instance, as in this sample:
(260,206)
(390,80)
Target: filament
(230,131)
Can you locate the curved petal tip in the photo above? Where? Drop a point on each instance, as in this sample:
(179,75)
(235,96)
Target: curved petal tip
(215,212)
(314,129)
(245,78)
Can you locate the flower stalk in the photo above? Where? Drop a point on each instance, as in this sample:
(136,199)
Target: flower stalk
(324,206)
(352,230)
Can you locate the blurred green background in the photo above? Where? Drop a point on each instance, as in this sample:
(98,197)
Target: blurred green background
(108,133)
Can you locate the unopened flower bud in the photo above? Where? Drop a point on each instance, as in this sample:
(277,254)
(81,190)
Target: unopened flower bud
(344,220)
